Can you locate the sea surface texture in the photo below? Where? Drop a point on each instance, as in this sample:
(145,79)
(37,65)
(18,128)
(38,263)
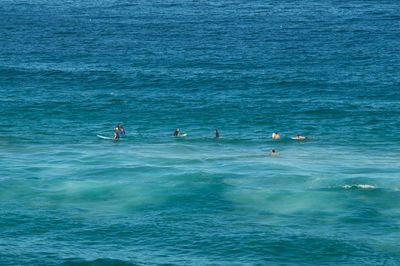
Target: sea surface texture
(72,70)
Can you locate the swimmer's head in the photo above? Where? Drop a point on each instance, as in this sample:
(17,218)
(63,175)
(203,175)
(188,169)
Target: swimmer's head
(273,151)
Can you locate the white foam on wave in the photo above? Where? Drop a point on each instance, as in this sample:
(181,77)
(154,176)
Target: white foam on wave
(362,186)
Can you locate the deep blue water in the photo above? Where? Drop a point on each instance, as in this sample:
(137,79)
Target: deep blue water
(70,70)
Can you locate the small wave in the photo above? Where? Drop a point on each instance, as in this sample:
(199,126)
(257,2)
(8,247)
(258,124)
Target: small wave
(361,186)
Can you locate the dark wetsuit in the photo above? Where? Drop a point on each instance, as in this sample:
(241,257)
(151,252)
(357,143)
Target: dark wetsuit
(176,133)
(216,134)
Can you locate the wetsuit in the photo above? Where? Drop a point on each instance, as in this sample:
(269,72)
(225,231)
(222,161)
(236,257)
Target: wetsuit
(216,134)
(176,133)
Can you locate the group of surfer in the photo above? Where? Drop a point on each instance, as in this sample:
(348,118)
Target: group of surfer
(275,135)
(120,129)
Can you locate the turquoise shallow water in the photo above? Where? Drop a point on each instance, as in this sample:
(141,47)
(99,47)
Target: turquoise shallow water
(70,71)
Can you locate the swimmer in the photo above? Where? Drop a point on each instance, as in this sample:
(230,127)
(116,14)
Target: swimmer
(299,137)
(121,129)
(216,134)
(275,135)
(273,152)
(116,136)
(176,133)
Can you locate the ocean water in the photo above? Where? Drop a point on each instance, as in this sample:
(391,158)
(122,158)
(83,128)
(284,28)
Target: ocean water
(72,70)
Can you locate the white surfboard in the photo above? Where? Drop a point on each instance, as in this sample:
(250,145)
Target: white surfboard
(103,137)
(181,135)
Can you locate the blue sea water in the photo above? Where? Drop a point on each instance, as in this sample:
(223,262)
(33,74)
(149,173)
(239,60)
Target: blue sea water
(72,70)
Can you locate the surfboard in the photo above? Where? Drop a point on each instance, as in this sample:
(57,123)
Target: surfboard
(295,138)
(103,137)
(183,135)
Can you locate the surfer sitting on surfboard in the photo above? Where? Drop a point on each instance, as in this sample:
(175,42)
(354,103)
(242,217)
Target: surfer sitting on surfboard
(176,133)
(216,134)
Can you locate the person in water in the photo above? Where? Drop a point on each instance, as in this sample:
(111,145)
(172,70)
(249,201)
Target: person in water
(116,136)
(176,133)
(121,129)
(299,137)
(275,135)
(273,152)
(216,133)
